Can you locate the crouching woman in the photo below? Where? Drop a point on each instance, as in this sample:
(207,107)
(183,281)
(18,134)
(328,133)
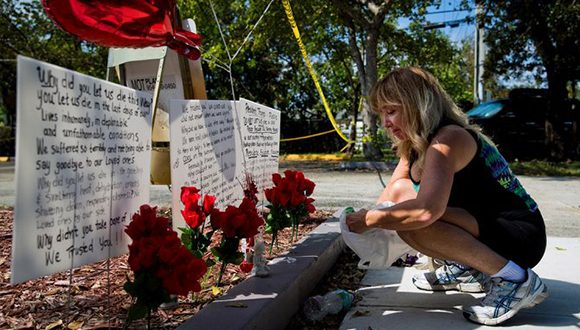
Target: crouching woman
(456,200)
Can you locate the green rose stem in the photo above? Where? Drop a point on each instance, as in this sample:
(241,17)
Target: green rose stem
(148,318)
(222,270)
(228,253)
(274,240)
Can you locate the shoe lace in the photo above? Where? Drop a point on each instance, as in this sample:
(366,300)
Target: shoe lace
(448,273)
(445,273)
(499,292)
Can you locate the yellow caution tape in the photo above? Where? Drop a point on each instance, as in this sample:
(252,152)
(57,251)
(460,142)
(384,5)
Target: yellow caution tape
(292,22)
(307,136)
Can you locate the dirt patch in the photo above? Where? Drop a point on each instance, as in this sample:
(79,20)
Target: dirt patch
(343,275)
(95,299)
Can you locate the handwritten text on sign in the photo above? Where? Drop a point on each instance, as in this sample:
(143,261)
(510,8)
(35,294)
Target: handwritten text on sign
(261,141)
(214,143)
(82,168)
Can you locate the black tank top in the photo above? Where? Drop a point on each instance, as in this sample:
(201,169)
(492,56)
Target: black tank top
(487,186)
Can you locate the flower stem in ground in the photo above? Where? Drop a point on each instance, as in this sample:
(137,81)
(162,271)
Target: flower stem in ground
(274,240)
(148,318)
(222,270)
(294,234)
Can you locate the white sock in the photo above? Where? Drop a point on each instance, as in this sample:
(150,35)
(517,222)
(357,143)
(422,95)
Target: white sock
(512,272)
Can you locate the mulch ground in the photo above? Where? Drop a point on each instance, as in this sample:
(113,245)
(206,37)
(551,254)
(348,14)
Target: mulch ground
(95,298)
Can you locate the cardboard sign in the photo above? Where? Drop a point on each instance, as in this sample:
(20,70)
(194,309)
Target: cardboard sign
(215,143)
(82,168)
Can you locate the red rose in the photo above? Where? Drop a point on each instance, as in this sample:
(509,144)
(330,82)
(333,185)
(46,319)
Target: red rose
(309,207)
(193,218)
(276,178)
(297,199)
(208,204)
(246,267)
(146,222)
(309,187)
(181,275)
(189,195)
(142,253)
(284,197)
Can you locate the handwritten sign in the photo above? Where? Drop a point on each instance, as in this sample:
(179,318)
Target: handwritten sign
(261,141)
(215,143)
(82,168)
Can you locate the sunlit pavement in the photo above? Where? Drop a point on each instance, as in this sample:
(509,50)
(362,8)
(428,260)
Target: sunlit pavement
(391,301)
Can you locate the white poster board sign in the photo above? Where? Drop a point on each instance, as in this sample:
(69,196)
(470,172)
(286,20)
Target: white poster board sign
(261,141)
(207,148)
(82,168)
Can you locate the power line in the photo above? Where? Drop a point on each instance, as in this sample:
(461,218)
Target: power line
(448,11)
(451,24)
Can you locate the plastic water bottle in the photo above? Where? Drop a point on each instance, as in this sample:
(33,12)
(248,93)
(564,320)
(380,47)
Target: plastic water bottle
(317,307)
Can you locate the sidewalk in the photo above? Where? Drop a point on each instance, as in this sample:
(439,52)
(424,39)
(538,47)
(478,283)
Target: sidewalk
(391,301)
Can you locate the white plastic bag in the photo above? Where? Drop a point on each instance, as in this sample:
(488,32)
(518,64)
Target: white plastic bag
(377,248)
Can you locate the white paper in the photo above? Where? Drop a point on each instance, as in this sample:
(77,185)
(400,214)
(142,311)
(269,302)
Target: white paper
(207,139)
(82,168)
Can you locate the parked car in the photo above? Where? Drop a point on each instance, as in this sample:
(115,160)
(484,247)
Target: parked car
(518,124)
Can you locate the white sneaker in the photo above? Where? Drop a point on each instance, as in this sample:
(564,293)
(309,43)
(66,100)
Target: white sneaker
(504,299)
(451,277)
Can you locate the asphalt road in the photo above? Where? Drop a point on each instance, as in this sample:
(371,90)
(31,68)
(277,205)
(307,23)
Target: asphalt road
(558,197)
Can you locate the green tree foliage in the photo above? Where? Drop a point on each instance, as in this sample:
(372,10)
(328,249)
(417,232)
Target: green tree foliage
(269,69)
(26,30)
(541,37)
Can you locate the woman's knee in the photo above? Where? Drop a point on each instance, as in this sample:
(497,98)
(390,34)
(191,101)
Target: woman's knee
(414,236)
(399,191)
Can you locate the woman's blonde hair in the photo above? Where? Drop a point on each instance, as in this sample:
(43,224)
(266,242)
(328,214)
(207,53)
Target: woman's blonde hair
(425,105)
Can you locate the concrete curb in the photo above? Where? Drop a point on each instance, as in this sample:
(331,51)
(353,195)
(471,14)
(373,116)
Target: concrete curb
(270,303)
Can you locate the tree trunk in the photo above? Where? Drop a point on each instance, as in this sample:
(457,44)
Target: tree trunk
(354,110)
(557,93)
(369,20)
(371,149)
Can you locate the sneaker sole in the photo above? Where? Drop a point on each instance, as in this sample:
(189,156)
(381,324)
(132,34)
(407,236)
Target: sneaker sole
(540,297)
(462,287)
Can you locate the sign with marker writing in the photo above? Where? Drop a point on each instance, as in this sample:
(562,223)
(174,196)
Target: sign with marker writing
(82,168)
(215,143)
(261,141)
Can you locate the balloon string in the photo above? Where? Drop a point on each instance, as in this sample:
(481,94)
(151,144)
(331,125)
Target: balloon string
(252,30)
(220,29)
(222,65)
(228,67)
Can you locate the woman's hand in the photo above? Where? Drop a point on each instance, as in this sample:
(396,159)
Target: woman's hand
(357,221)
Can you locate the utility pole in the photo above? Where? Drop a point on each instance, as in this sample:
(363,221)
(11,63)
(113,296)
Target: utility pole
(479,58)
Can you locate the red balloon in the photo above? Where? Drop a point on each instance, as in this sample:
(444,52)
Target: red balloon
(126,23)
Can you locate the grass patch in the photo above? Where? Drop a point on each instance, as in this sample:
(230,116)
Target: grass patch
(545,168)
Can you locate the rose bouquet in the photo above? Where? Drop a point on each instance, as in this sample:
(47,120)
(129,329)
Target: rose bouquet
(161,264)
(195,215)
(289,202)
(234,223)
